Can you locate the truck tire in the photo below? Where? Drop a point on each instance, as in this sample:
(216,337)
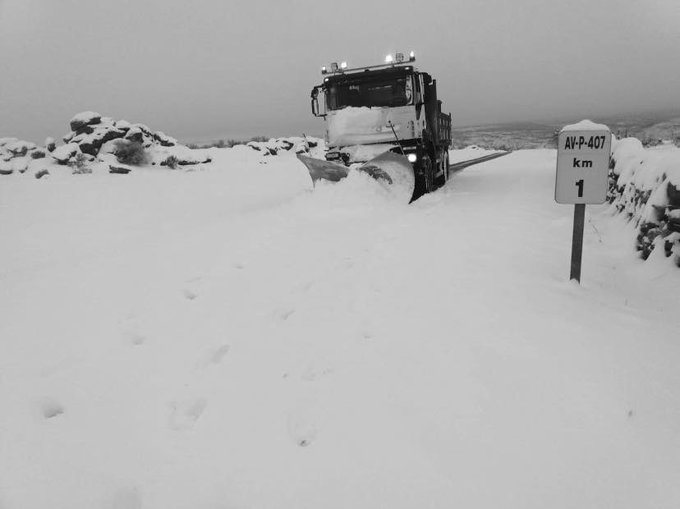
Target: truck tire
(443,167)
(424,178)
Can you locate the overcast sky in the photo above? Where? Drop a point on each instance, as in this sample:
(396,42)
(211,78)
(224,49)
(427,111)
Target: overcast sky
(215,68)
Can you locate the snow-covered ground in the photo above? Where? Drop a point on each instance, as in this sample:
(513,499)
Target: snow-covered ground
(229,338)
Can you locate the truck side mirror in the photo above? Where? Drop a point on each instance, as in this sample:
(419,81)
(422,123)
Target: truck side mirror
(315,103)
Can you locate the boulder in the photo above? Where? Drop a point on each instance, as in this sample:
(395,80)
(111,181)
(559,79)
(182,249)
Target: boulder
(92,143)
(164,139)
(6,169)
(120,170)
(86,129)
(673,193)
(63,154)
(19,148)
(86,118)
(124,125)
(135,134)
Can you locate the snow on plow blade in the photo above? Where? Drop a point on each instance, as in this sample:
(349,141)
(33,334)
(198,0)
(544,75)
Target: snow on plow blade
(392,170)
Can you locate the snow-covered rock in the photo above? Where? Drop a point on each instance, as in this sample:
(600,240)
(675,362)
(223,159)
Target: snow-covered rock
(93,142)
(50,144)
(20,148)
(63,154)
(86,118)
(293,144)
(645,185)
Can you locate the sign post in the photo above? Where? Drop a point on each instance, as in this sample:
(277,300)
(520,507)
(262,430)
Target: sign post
(583,152)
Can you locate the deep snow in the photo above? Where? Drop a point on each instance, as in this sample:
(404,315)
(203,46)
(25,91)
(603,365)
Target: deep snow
(230,338)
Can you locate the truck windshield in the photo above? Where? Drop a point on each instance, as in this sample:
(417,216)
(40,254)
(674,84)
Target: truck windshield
(395,91)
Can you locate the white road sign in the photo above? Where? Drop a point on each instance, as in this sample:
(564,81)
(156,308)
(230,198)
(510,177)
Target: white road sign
(583,152)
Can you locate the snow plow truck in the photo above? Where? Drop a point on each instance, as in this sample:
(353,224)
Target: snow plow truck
(384,120)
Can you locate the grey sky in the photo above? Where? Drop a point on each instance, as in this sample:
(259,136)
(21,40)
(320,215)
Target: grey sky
(215,68)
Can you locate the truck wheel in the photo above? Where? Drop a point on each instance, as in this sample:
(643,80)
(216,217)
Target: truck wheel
(424,179)
(429,174)
(443,167)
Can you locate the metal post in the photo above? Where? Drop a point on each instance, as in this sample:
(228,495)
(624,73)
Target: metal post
(577,241)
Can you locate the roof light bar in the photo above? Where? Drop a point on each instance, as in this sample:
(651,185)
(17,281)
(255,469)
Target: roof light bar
(390,60)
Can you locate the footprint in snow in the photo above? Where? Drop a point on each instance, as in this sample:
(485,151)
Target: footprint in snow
(126,498)
(185,413)
(312,374)
(302,432)
(302,424)
(136,338)
(189,295)
(191,288)
(219,354)
(51,408)
(214,356)
(285,314)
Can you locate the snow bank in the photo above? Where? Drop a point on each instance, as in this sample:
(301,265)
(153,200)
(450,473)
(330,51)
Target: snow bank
(645,185)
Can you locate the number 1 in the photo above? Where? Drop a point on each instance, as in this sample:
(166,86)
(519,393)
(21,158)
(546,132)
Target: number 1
(579,184)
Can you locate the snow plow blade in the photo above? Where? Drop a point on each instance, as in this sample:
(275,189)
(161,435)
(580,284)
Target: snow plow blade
(320,169)
(392,170)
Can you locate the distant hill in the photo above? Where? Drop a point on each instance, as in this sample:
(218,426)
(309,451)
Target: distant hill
(651,129)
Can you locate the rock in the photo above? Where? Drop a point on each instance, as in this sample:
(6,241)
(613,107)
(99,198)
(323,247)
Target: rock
(6,141)
(92,143)
(86,129)
(674,224)
(121,170)
(86,118)
(40,174)
(63,154)
(124,125)
(135,134)
(20,165)
(4,170)
(37,154)
(673,193)
(20,148)
(164,140)
(50,144)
